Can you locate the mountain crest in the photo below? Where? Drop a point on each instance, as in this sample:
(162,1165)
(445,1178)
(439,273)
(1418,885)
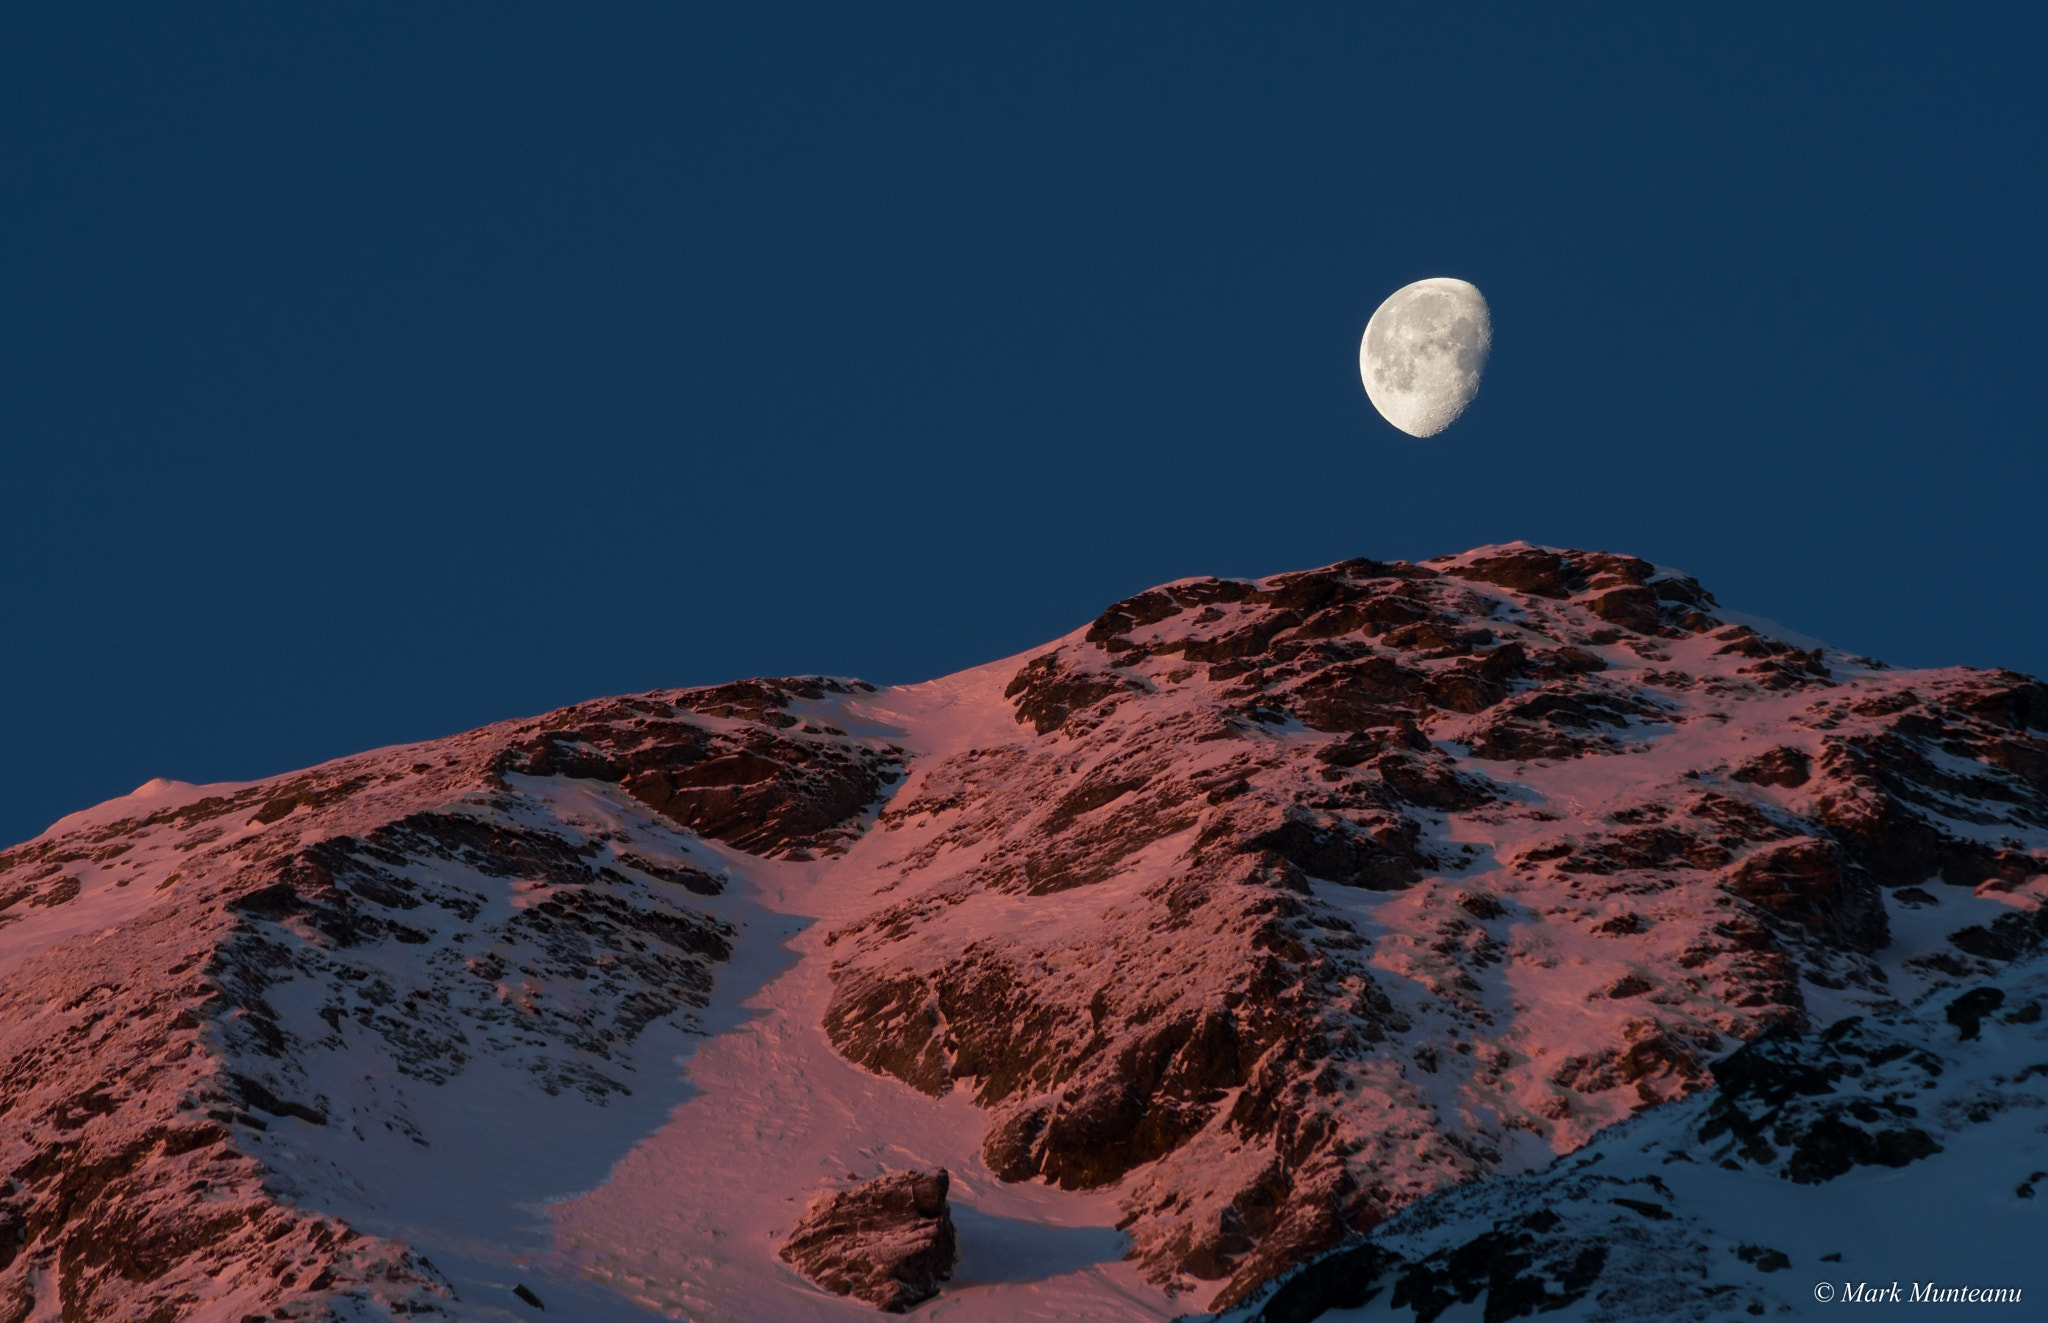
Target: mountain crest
(1279,911)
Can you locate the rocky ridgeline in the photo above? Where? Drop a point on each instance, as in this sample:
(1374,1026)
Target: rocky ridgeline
(1312,913)
(423,907)
(1300,899)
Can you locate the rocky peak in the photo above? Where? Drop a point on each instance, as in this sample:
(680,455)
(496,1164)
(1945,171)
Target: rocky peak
(1285,909)
(1353,884)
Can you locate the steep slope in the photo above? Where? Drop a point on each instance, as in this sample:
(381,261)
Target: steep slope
(1820,1169)
(1297,900)
(225,1015)
(1259,917)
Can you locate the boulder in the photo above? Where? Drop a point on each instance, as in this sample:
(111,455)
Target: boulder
(889,1241)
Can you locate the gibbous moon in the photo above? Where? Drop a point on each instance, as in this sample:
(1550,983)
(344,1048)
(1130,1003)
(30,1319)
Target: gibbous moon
(1423,352)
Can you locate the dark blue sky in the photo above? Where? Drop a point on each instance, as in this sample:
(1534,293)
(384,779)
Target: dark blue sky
(369,375)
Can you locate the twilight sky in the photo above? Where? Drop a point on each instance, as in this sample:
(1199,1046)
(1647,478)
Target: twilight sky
(372,373)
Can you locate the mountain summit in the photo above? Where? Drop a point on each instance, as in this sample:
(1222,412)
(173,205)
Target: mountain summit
(1263,946)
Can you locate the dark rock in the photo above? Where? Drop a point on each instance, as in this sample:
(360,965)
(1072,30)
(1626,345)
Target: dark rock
(2009,699)
(694,880)
(891,1025)
(1866,801)
(1372,616)
(1481,905)
(1562,663)
(1464,690)
(1360,746)
(1431,782)
(757,788)
(1013,1147)
(1346,1279)
(1338,854)
(1791,671)
(764,700)
(1543,573)
(1804,880)
(1968,1010)
(1632,608)
(1683,590)
(1048,690)
(1742,641)
(1436,637)
(1553,723)
(1249,641)
(1897,1148)
(758,804)
(1630,985)
(1646,847)
(1514,1269)
(889,1241)
(1786,1087)
(1772,1069)
(1091,1139)
(263,1100)
(1314,589)
(1086,799)
(1357,696)
(2007,937)
(1829,1148)
(1165,1080)
(1782,766)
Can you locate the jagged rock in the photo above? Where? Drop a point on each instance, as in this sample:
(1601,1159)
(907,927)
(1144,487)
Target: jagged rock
(1429,695)
(773,787)
(1803,880)
(1048,690)
(1783,766)
(889,1241)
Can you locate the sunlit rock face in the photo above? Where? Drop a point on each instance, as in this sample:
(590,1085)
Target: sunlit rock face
(226,1012)
(1299,899)
(889,1242)
(1284,910)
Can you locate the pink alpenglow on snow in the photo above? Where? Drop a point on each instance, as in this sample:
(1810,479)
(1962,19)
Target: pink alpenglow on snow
(1516,925)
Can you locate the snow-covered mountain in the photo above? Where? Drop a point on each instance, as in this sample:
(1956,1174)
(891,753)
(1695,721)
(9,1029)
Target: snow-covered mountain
(1269,947)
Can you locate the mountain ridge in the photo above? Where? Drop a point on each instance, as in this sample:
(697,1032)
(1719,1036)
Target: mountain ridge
(1269,908)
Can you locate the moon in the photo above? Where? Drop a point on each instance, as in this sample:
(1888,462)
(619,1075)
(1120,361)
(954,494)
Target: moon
(1423,353)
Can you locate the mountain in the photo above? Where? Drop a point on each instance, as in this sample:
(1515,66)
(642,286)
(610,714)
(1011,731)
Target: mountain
(1345,940)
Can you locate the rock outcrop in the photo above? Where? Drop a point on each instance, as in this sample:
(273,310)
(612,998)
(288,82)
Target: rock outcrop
(889,1241)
